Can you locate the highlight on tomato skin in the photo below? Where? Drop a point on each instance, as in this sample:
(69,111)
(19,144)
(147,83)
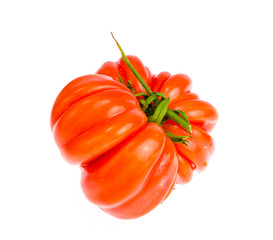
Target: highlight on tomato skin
(128,164)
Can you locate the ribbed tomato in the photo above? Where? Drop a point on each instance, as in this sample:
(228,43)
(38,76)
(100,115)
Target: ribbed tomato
(129,165)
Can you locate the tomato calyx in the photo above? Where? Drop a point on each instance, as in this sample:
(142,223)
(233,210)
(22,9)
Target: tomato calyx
(155,104)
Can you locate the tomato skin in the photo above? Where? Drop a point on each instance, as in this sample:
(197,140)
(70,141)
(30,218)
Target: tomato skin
(109,69)
(159,80)
(176,85)
(184,172)
(134,177)
(103,137)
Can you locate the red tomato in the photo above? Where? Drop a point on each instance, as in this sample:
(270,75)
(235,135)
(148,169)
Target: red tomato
(129,166)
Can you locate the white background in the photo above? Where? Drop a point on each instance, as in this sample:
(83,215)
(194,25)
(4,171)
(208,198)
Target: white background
(226,47)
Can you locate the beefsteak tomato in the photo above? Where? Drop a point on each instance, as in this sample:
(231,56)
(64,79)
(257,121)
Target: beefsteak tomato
(129,165)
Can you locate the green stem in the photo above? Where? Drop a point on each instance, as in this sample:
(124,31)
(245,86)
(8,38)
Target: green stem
(160,112)
(171,114)
(142,94)
(120,79)
(126,60)
(179,120)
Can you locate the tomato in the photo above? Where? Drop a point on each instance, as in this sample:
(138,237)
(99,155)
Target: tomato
(130,165)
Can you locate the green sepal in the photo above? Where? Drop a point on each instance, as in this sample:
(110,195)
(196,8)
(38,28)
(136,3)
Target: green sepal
(159,94)
(143,104)
(142,94)
(151,98)
(130,87)
(166,118)
(160,112)
(177,138)
(184,115)
(120,79)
